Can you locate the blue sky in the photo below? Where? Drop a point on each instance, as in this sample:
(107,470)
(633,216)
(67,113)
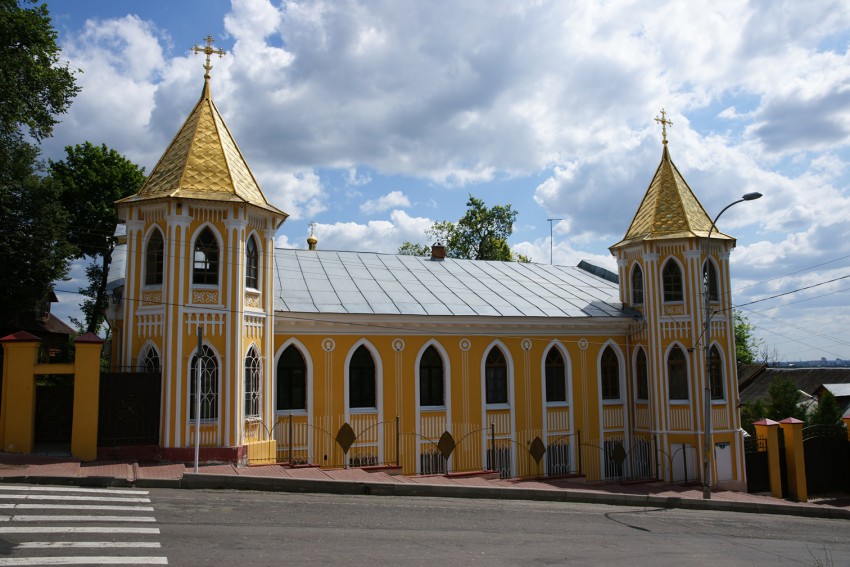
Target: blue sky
(375,119)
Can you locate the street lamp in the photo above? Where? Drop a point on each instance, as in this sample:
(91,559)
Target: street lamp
(707,448)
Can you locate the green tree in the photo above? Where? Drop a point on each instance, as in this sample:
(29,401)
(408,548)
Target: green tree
(784,399)
(750,413)
(92,179)
(481,234)
(35,89)
(746,346)
(33,242)
(411,249)
(827,412)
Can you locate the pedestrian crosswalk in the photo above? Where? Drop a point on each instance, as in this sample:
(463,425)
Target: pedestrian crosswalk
(50,525)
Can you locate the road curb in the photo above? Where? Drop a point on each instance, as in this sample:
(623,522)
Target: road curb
(194,481)
(202,481)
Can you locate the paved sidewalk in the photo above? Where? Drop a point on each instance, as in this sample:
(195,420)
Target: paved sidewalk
(64,470)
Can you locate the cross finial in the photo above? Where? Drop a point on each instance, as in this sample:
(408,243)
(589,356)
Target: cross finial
(664,123)
(312,227)
(208,50)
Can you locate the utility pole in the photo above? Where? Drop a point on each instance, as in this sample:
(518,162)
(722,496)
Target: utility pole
(551,256)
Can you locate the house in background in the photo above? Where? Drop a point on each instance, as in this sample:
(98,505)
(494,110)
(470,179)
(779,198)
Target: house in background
(755,381)
(435,364)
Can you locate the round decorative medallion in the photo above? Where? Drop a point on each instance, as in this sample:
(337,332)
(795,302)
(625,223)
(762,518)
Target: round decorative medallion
(465,344)
(398,345)
(526,344)
(582,344)
(328,345)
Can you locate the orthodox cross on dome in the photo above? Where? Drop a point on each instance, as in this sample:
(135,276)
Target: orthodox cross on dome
(208,50)
(664,123)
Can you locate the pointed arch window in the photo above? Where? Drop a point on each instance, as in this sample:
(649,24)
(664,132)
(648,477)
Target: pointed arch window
(637,286)
(715,373)
(291,380)
(709,274)
(641,375)
(556,376)
(253,379)
(209,384)
(672,279)
(252,264)
(496,377)
(610,367)
(205,265)
(677,374)
(154,255)
(431,378)
(149,361)
(361,379)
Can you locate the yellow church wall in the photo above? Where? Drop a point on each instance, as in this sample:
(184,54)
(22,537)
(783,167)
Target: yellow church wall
(474,426)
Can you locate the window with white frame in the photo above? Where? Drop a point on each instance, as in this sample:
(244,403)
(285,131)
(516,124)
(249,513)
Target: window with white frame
(715,373)
(496,377)
(361,380)
(205,259)
(556,376)
(609,365)
(637,286)
(671,277)
(431,379)
(677,374)
(253,379)
(207,366)
(291,380)
(154,256)
(252,264)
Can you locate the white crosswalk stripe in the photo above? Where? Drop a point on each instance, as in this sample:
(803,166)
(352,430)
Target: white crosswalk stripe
(66,526)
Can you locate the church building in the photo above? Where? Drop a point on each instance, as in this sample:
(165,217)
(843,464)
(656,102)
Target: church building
(431,364)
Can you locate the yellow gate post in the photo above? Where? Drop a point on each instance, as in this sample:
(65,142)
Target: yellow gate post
(17,420)
(795,458)
(86,396)
(769,429)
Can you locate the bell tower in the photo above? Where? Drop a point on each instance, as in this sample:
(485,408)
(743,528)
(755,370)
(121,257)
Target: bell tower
(663,260)
(200,255)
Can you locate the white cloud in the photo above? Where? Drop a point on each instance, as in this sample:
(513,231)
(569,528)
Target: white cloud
(393,199)
(374,236)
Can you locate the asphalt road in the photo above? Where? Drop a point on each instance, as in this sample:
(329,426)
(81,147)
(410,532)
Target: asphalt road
(200,527)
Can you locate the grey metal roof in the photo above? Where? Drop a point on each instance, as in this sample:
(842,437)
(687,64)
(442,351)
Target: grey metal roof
(324,281)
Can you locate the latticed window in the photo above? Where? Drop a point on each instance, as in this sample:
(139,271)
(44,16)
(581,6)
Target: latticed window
(149,360)
(556,376)
(709,274)
(496,377)
(431,379)
(209,384)
(715,373)
(672,280)
(154,256)
(637,286)
(252,264)
(677,374)
(610,367)
(641,375)
(253,379)
(205,265)
(361,379)
(291,380)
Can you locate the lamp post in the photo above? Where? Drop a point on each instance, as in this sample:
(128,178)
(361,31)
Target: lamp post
(707,448)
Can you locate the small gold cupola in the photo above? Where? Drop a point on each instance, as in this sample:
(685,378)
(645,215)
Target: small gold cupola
(312,240)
